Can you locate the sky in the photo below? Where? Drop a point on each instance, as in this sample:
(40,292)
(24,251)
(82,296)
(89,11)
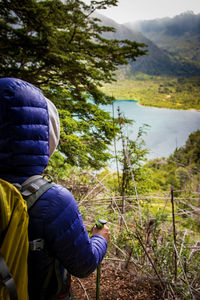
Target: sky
(133,10)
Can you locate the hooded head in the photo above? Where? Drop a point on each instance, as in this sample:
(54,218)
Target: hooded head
(29,129)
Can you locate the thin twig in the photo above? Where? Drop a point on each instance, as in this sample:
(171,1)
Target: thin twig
(187,282)
(174,235)
(115,147)
(165,206)
(136,193)
(172,292)
(115,259)
(125,254)
(149,258)
(195,290)
(99,182)
(119,211)
(183,240)
(83,288)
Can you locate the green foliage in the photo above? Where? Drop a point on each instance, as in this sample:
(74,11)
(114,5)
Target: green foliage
(57,166)
(190,153)
(58,46)
(86,132)
(131,158)
(146,182)
(158,91)
(180,170)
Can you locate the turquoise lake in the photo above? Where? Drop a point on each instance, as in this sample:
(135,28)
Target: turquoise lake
(169,128)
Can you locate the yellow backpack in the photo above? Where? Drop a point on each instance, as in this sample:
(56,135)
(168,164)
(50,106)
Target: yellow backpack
(14,243)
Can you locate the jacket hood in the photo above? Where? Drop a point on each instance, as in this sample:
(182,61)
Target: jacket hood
(29,129)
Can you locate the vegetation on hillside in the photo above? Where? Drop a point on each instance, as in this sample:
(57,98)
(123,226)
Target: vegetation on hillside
(153,211)
(173,44)
(181,169)
(157,91)
(178,35)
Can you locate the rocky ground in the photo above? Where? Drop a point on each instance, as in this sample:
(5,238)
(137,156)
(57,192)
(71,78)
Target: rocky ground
(117,284)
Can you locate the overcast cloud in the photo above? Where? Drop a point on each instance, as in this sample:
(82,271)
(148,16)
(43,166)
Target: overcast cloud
(133,10)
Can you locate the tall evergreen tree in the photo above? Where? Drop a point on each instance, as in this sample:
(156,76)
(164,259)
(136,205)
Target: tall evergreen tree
(58,46)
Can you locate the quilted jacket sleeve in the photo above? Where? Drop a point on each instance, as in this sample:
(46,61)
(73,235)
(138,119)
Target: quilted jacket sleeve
(67,236)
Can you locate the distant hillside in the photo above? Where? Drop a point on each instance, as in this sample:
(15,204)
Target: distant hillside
(158,61)
(179,35)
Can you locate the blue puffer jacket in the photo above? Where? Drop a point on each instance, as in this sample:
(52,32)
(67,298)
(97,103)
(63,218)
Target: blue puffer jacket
(24,152)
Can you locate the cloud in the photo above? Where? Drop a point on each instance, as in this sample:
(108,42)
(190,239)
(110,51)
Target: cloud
(130,10)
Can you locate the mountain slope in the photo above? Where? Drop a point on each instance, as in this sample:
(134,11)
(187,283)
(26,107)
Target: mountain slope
(179,35)
(158,61)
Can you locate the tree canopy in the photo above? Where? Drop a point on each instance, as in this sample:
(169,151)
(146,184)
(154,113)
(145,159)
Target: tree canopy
(58,46)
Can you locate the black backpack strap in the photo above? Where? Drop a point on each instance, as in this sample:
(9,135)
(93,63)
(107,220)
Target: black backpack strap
(31,191)
(7,280)
(63,283)
(34,188)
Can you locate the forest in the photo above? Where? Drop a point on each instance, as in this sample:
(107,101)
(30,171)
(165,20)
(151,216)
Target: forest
(152,206)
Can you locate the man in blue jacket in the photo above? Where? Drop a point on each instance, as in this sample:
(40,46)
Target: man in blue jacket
(29,134)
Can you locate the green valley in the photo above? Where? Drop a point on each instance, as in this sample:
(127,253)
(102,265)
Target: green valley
(168,75)
(158,91)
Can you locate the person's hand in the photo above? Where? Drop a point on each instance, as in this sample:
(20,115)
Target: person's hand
(104,231)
